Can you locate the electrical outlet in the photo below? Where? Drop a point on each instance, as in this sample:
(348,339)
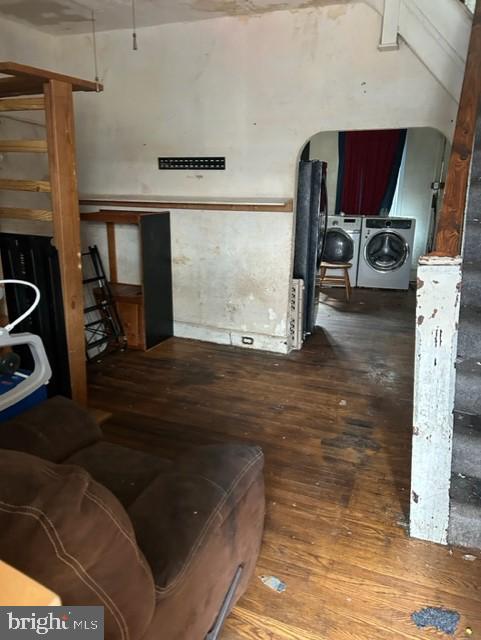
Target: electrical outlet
(247,340)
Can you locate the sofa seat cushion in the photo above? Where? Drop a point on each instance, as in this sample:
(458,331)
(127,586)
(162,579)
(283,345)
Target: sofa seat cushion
(66,531)
(197,497)
(52,430)
(125,472)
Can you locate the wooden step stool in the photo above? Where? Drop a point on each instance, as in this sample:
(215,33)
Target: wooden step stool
(342,279)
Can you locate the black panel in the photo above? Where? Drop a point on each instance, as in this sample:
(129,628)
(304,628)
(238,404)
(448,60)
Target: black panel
(311,183)
(302,220)
(157,278)
(33,258)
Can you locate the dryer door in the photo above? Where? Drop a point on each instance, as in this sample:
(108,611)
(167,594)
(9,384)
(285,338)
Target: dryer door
(338,246)
(386,251)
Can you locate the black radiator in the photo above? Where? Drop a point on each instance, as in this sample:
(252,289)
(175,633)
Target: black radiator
(35,259)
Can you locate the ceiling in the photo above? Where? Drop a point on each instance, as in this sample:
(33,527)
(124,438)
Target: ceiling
(74,16)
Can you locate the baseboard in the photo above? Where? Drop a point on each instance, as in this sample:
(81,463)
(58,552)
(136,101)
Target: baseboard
(261,342)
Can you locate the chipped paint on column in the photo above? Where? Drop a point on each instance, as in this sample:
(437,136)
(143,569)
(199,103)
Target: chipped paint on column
(437,314)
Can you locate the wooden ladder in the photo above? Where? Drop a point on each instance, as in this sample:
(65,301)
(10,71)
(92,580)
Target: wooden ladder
(30,89)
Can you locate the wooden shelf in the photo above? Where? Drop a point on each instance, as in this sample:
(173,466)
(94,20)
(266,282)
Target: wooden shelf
(26,80)
(22,104)
(36,186)
(23,146)
(16,213)
(264,205)
(131,293)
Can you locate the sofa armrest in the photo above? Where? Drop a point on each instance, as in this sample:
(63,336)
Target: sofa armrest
(53,430)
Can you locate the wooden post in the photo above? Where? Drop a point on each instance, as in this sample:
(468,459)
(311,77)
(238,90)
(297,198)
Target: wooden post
(437,314)
(66,224)
(450,227)
(112,248)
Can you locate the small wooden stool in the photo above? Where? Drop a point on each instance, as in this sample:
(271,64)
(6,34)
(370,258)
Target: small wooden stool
(342,280)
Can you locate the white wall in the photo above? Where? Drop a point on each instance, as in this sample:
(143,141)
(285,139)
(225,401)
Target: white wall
(424,154)
(325,146)
(254,89)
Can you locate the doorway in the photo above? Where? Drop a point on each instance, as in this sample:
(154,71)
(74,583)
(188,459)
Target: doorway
(383,191)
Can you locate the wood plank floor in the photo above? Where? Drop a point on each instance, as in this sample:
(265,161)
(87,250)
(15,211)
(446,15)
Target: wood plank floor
(334,421)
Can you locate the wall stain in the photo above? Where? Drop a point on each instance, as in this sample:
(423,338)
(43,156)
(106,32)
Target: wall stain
(46,12)
(257,7)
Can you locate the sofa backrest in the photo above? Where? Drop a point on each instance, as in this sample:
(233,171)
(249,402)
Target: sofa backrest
(71,534)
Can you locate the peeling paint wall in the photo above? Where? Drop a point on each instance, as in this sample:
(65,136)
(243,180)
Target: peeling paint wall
(254,89)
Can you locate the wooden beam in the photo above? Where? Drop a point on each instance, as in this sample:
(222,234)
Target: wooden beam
(22,104)
(23,146)
(40,215)
(449,231)
(38,186)
(42,75)
(112,248)
(66,223)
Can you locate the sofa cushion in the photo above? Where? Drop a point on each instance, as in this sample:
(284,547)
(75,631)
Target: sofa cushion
(52,430)
(196,499)
(125,472)
(71,534)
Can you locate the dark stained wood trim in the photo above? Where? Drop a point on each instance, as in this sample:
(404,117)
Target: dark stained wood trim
(28,73)
(66,224)
(284,207)
(449,231)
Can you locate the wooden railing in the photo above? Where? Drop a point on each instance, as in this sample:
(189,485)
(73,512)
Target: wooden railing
(450,226)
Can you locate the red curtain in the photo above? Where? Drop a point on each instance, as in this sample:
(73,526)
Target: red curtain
(368,164)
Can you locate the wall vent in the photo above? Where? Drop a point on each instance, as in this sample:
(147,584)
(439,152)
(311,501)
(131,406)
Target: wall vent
(192,164)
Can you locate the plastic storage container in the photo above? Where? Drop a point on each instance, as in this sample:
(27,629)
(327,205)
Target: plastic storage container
(9,382)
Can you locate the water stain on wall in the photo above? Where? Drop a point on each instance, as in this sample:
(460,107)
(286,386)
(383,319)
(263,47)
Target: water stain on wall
(44,12)
(258,7)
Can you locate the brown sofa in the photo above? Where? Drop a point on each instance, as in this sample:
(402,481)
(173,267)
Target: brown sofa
(166,547)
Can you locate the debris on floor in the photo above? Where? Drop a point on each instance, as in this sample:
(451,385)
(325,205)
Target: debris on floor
(469,557)
(441,619)
(468,631)
(274,583)
(342,403)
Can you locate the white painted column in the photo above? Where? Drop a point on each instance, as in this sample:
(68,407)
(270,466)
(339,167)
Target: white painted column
(437,314)
(390,25)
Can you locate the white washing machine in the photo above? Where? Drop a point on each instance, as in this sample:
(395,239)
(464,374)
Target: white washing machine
(386,252)
(342,242)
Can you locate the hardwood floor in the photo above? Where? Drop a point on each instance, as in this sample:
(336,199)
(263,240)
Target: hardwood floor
(334,421)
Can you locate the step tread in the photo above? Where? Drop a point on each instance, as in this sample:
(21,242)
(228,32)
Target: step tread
(467,445)
(465,512)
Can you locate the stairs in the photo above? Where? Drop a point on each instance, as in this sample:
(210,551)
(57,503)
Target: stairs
(465,507)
